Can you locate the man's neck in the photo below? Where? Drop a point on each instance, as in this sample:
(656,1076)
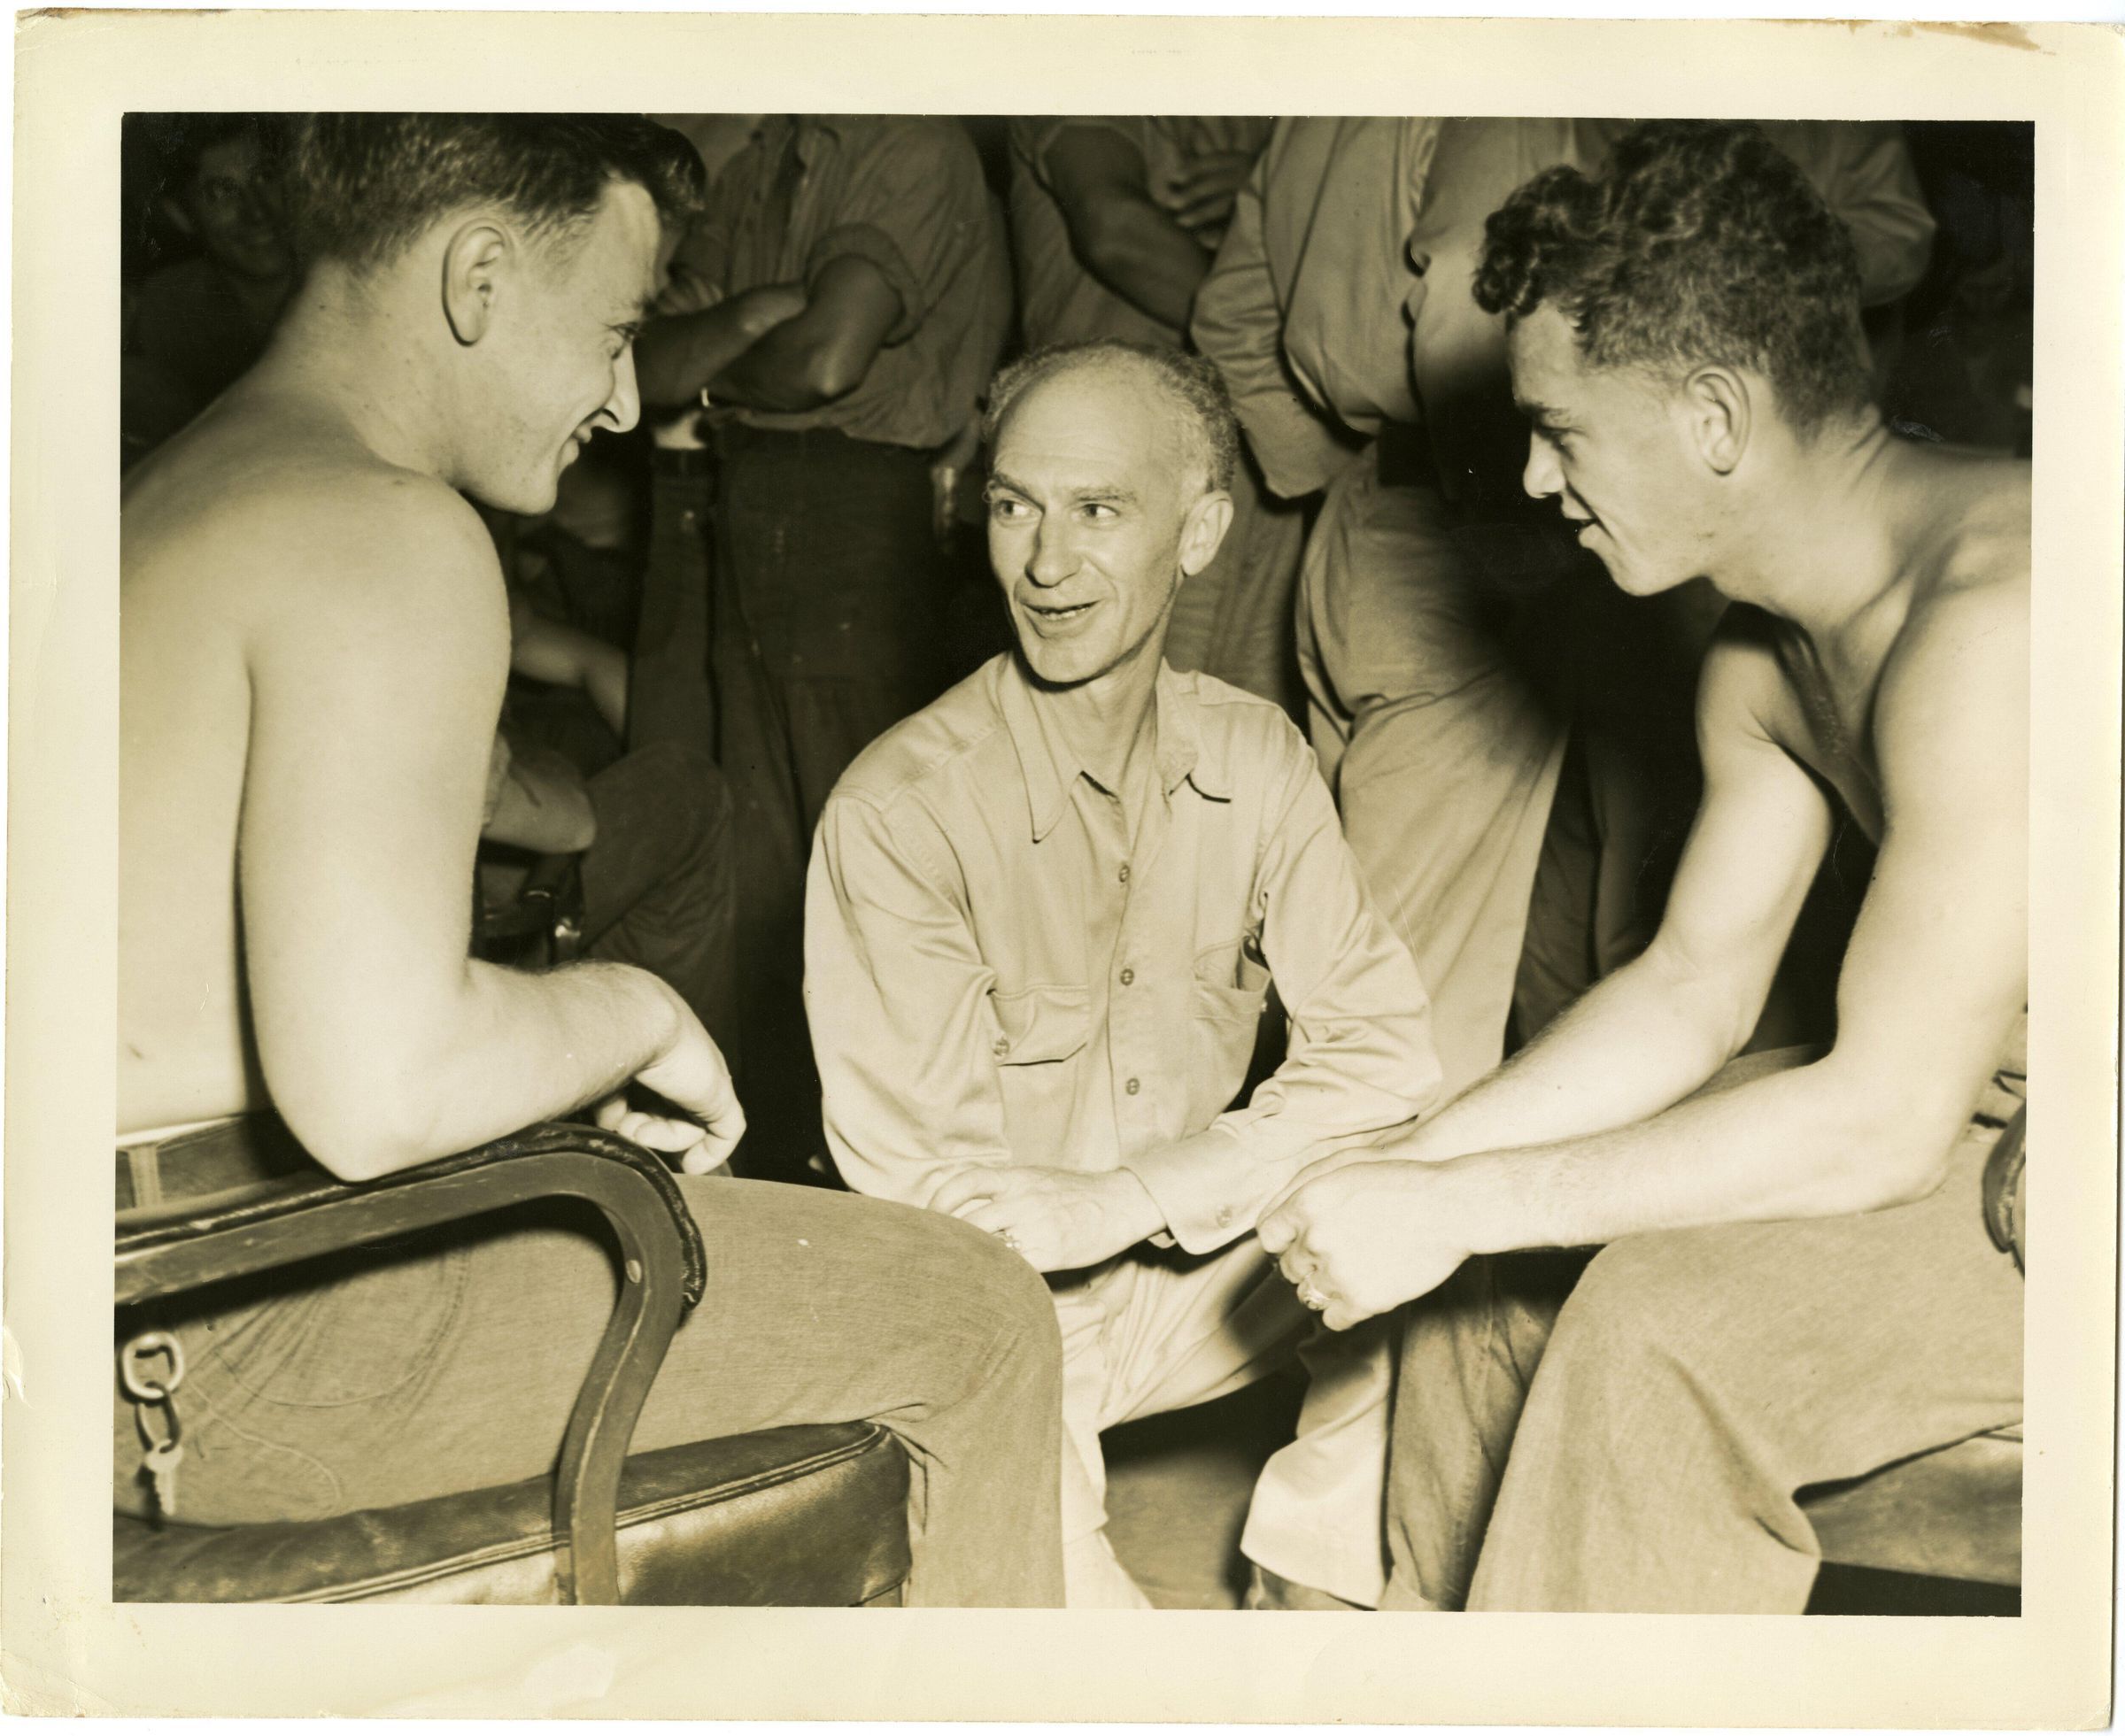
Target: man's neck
(1823,544)
(341,358)
(1110,721)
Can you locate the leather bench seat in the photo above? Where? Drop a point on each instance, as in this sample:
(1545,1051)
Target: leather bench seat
(1954,1513)
(814,1516)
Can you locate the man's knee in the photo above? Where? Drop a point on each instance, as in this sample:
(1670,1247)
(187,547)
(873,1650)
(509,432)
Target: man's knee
(1643,1314)
(987,1281)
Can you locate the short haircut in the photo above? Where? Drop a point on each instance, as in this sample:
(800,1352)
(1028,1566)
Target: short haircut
(1700,243)
(1193,385)
(361,188)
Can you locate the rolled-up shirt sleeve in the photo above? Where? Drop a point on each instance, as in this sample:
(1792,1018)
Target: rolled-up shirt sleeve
(916,209)
(1360,1059)
(898,1000)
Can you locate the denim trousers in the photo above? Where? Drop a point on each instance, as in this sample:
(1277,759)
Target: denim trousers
(451,1362)
(1629,1433)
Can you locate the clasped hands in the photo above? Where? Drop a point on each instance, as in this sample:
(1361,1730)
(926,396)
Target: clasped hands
(1362,1232)
(1059,1219)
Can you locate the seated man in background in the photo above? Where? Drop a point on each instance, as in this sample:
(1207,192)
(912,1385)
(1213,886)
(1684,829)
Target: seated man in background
(193,327)
(314,646)
(1115,219)
(1042,918)
(1800,1286)
(820,305)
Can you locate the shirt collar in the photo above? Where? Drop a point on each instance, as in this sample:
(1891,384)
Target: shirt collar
(1049,767)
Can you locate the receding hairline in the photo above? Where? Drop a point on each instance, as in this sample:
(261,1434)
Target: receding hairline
(1116,362)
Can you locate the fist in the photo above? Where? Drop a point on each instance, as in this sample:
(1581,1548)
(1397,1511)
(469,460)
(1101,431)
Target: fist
(1360,1239)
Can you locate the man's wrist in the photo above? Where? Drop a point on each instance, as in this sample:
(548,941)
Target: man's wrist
(1479,1197)
(1137,1209)
(666,1015)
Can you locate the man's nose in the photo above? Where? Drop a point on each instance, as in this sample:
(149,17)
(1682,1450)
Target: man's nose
(1541,477)
(1051,559)
(625,404)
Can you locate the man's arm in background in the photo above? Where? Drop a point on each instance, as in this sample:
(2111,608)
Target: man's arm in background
(821,353)
(561,656)
(1239,323)
(1123,235)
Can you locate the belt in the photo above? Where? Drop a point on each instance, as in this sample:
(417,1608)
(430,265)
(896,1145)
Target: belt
(208,1160)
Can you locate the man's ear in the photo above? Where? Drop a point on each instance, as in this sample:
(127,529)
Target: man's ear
(177,216)
(1719,410)
(1208,520)
(474,263)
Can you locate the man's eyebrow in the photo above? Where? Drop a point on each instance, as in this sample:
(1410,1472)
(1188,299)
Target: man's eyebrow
(1537,412)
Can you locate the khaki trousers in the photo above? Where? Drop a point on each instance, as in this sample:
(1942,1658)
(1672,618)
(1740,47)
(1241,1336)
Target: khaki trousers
(1155,1332)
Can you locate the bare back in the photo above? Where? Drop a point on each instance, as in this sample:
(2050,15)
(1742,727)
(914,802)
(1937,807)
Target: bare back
(230,537)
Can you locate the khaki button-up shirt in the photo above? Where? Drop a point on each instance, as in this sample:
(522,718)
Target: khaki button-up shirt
(996,973)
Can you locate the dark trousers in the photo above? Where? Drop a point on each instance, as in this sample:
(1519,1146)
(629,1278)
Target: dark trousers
(659,885)
(828,630)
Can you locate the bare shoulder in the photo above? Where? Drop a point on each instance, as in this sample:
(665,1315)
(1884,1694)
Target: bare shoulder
(1974,510)
(1744,694)
(276,526)
(1968,621)
(1956,682)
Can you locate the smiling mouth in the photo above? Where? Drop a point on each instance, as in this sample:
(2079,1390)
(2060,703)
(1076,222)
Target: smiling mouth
(1057,614)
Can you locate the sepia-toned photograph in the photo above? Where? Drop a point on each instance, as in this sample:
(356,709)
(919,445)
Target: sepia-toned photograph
(1057,861)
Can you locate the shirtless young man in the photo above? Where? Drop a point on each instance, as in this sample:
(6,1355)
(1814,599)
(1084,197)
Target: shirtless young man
(315,642)
(1800,1286)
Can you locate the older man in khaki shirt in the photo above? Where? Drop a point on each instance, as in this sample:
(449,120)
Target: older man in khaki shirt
(1043,917)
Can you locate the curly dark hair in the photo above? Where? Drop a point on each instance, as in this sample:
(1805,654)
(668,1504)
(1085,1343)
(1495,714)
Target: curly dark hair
(361,187)
(1700,241)
(1193,384)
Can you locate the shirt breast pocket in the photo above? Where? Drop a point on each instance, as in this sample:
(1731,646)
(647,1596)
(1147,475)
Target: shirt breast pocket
(1042,1033)
(1231,981)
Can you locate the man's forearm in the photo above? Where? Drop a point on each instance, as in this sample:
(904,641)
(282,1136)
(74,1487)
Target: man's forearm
(1148,259)
(1636,1043)
(1800,1143)
(792,369)
(680,353)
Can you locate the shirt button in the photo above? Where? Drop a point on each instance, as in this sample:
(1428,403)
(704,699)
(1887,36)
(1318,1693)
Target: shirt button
(1225,1215)
(1001,1048)
(1131,1087)
(1125,873)
(1128,976)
